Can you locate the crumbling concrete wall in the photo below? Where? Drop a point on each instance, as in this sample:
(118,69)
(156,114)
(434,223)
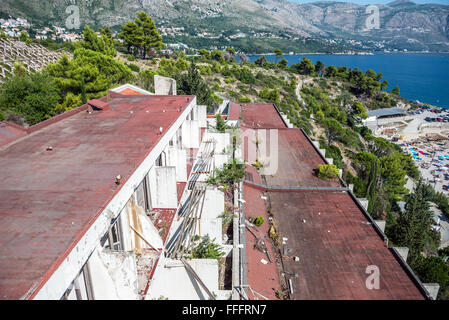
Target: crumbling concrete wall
(171,280)
(164,86)
(114,275)
(138,220)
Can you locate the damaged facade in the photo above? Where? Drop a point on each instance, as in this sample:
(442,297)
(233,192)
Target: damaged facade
(106,201)
(88,199)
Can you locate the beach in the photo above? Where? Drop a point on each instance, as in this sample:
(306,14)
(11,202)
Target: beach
(427,143)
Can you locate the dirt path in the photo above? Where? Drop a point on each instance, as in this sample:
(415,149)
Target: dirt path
(299,86)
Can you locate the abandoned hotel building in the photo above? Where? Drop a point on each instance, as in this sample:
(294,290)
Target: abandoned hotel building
(106,200)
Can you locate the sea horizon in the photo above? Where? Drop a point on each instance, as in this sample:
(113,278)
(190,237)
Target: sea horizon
(419,76)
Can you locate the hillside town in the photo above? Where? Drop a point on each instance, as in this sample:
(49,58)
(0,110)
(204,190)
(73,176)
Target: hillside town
(13,28)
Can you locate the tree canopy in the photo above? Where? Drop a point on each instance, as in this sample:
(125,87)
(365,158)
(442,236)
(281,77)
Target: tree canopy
(32,96)
(141,35)
(103,43)
(88,71)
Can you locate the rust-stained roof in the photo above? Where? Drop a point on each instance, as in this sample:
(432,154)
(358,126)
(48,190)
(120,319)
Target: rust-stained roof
(10,131)
(335,245)
(261,116)
(262,277)
(331,234)
(49,198)
(131,92)
(234,111)
(297,162)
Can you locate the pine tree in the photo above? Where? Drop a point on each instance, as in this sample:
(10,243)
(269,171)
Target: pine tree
(103,44)
(130,35)
(414,224)
(191,83)
(141,34)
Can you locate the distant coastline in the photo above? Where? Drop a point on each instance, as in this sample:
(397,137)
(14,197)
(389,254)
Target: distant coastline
(348,53)
(420,75)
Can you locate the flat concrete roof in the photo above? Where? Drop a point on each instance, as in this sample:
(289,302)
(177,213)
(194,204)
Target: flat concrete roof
(261,116)
(10,131)
(297,162)
(49,199)
(263,275)
(329,232)
(335,245)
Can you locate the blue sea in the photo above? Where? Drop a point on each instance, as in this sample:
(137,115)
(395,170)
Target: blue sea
(423,77)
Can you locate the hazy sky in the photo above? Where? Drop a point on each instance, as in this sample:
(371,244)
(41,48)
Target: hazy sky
(380,1)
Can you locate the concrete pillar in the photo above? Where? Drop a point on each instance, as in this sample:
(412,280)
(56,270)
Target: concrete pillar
(340,173)
(164,86)
(402,251)
(433,289)
(210,223)
(380,224)
(330,160)
(351,187)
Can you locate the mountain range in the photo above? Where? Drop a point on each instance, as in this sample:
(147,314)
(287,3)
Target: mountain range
(403,24)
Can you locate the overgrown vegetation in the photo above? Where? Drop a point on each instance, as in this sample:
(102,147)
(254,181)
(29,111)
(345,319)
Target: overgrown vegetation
(231,173)
(258,221)
(327,171)
(207,249)
(412,228)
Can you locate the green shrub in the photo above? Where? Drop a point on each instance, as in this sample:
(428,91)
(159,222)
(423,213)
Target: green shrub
(327,171)
(130,57)
(207,249)
(133,67)
(258,221)
(230,80)
(232,172)
(244,99)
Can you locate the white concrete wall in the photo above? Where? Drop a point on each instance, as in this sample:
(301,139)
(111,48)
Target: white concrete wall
(68,270)
(150,232)
(164,85)
(163,187)
(222,141)
(210,223)
(113,275)
(202,116)
(178,158)
(220,160)
(191,134)
(171,280)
